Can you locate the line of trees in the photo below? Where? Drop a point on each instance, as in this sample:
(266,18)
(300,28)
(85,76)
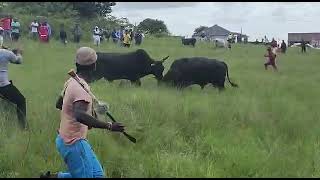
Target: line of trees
(80,9)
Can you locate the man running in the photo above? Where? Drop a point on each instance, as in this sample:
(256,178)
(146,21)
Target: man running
(7,90)
(76,119)
(272,59)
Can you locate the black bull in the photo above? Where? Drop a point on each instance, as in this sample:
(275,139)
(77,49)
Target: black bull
(189,41)
(131,66)
(197,70)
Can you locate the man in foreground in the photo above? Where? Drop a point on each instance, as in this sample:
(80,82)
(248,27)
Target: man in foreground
(76,118)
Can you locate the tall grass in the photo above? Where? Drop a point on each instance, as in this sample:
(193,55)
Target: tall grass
(266,128)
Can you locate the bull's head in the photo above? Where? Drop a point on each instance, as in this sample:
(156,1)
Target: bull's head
(157,68)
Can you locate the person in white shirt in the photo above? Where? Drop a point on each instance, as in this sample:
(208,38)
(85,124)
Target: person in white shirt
(96,36)
(34,29)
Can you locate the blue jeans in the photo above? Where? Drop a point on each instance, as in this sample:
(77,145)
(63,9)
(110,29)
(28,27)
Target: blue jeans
(80,159)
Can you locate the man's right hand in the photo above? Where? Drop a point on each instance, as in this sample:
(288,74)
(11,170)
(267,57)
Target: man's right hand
(115,126)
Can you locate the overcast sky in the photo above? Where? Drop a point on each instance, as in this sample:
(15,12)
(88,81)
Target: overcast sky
(274,19)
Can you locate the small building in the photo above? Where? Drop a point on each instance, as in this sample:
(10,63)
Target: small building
(240,37)
(217,32)
(311,38)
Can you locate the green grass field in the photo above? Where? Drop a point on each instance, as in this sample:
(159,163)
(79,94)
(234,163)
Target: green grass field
(269,127)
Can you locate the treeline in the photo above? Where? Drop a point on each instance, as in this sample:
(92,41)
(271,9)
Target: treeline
(65,9)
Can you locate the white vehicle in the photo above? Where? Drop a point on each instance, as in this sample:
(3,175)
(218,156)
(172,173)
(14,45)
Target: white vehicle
(299,45)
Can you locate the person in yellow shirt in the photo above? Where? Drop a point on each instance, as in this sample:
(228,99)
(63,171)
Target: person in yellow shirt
(126,39)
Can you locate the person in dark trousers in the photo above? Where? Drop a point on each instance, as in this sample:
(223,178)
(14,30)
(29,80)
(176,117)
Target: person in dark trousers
(77,117)
(272,59)
(107,34)
(303,46)
(77,33)
(7,90)
(63,35)
(283,47)
(114,36)
(138,38)
(131,34)
(15,30)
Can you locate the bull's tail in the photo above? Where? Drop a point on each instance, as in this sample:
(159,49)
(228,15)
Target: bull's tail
(232,84)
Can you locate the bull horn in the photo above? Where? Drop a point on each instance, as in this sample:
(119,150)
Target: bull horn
(165,58)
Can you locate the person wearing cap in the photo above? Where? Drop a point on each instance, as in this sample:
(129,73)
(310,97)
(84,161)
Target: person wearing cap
(7,90)
(76,118)
(272,59)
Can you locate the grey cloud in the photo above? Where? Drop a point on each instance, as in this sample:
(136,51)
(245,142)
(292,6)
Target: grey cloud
(279,14)
(279,11)
(228,20)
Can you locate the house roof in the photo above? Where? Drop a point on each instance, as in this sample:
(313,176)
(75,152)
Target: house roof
(216,31)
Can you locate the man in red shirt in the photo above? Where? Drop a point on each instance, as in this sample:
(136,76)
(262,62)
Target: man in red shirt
(6,25)
(272,59)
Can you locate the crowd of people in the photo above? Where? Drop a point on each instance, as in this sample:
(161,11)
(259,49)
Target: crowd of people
(124,36)
(10,30)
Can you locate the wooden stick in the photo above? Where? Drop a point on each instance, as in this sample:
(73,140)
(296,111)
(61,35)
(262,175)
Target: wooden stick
(74,75)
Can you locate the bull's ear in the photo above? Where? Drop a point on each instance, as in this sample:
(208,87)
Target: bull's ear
(165,58)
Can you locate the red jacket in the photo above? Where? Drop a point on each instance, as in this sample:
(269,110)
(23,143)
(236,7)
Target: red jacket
(6,23)
(43,30)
